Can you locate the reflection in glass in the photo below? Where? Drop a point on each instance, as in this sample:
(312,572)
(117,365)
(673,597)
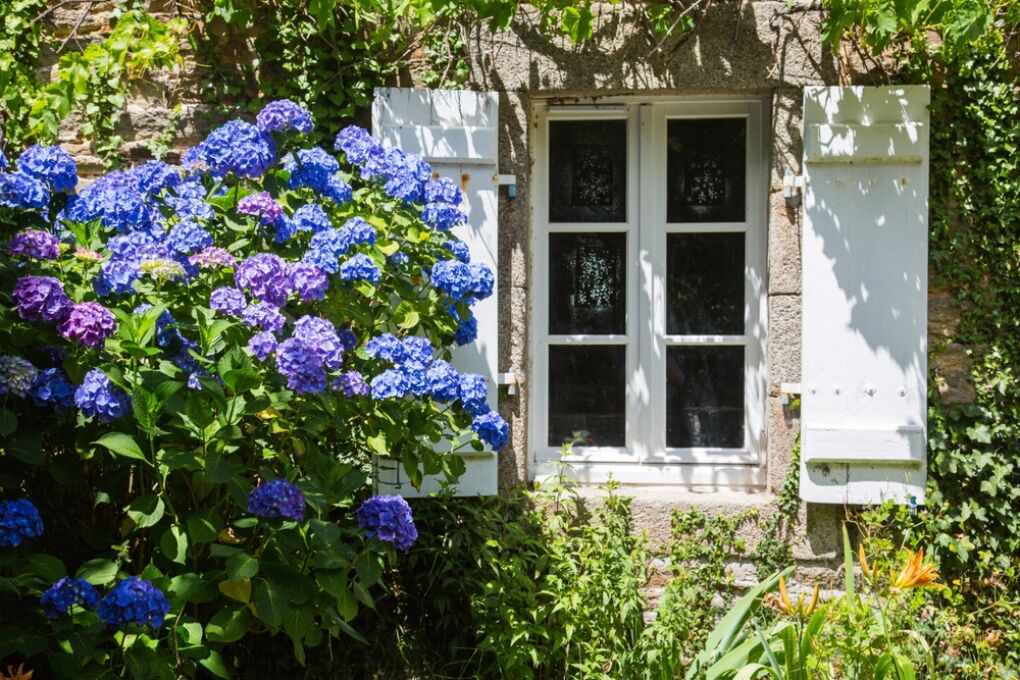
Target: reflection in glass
(588,171)
(705,284)
(705,397)
(587,404)
(705,170)
(587,283)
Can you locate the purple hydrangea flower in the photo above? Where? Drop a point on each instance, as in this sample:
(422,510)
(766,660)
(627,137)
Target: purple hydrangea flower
(41,245)
(263,315)
(310,282)
(443,216)
(482,281)
(262,205)
(237,147)
(97,397)
(442,190)
(21,190)
(452,277)
(443,381)
(60,596)
(16,375)
(262,345)
(386,347)
(352,384)
(357,230)
(116,277)
(459,250)
(50,164)
(52,388)
(265,276)
(277,498)
(356,143)
(390,384)
(360,267)
(311,217)
(89,323)
(388,518)
(491,429)
(283,115)
(320,336)
(212,257)
(40,298)
(187,237)
(228,300)
(19,520)
(301,364)
(134,600)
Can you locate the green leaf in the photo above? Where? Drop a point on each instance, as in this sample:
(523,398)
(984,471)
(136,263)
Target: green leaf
(8,422)
(174,544)
(98,572)
(237,590)
(270,605)
(228,625)
(204,526)
(122,445)
(214,664)
(147,510)
(242,565)
(849,585)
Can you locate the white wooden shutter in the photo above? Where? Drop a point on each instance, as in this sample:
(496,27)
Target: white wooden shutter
(456,132)
(865,264)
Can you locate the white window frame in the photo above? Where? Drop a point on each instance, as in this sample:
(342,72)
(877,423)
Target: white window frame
(645,459)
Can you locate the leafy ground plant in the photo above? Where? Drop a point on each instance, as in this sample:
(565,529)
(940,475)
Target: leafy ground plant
(198,365)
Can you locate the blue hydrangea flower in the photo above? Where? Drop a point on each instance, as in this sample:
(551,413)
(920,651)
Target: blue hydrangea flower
(116,277)
(97,397)
(443,381)
(237,147)
(386,347)
(21,190)
(403,175)
(35,243)
(473,393)
(443,216)
(60,596)
(191,208)
(459,250)
(168,335)
(452,277)
(116,204)
(311,217)
(332,241)
(322,259)
(356,143)
(356,230)
(467,331)
(19,520)
(310,282)
(390,384)
(398,258)
(228,300)
(482,281)
(352,384)
(414,374)
(283,115)
(265,275)
(134,600)
(491,429)
(4,163)
(348,339)
(277,498)
(338,190)
(311,168)
(388,518)
(417,350)
(442,190)
(153,177)
(52,388)
(320,336)
(263,315)
(16,375)
(360,267)
(188,237)
(50,164)
(300,364)
(262,345)
(127,246)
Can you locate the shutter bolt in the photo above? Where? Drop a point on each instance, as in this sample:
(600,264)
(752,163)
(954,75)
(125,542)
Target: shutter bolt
(902,391)
(835,388)
(869,390)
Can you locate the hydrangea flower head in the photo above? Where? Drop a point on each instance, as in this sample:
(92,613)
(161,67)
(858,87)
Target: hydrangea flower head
(115,203)
(41,245)
(459,250)
(116,277)
(228,300)
(19,520)
(134,600)
(277,498)
(356,143)
(97,397)
(283,115)
(352,384)
(357,230)
(60,596)
(262,205)
(360,267)
(21,190)
(467,331)
(40,298)
(492,429)
(388,518)
(417,350)
(265,275)
(443,381)
(452,277)
(482,281)
(390,384)
(473,393)
(89,323)
(153,177)
(263,315)
(262,345)
(313,168)
(386,347)
(17,375)
(52,388)
(188,237)
(4,163)
(443,190)
(338,190)
(163,269)
(300,363)
(50,164)
(310,282)
(213,257)
(443,216)
(320,336)
(311,217)
(237,147)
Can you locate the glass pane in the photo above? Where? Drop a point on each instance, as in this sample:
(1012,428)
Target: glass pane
(705,170)
(588,171)
(587,283)
(705,284)
(587,403)
(705,397)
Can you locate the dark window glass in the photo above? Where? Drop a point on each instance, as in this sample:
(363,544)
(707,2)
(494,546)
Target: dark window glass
(705,170)
(705,284)
(587,283)
(588,171)
(587,388)
(705,397)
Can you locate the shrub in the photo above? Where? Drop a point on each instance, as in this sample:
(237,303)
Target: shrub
(198,366)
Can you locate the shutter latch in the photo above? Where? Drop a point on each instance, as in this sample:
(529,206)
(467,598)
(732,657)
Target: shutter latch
(792,185)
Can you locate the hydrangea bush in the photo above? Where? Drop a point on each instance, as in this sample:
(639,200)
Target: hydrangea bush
(198,365)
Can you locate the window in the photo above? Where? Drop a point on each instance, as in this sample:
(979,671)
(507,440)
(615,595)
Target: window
(648,304)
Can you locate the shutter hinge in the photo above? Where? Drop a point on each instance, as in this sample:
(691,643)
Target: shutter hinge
(510,380)
(509,181)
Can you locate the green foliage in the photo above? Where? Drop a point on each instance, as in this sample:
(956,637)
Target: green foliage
(774,551)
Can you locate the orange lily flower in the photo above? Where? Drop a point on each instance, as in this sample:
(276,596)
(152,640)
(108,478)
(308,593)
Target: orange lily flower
(19,674)
(865,569)
(782,603)
(916,574)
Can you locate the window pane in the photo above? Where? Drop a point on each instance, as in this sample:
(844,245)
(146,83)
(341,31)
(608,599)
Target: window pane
(588,171)
(705,170)
(705,397)
(705,284)
(587,389)
(587,283)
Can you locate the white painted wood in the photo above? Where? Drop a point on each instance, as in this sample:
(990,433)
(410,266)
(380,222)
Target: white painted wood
(864,381)
(456,131)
